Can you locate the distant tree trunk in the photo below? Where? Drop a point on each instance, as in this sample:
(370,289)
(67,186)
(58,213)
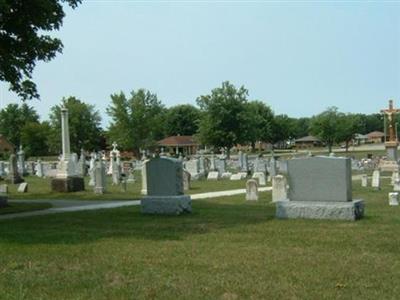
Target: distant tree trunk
(347,146)
(329,147)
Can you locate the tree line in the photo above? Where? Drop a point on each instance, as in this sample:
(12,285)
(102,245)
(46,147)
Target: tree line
(223,118)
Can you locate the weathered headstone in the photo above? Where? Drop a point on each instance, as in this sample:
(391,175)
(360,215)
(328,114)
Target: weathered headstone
(376,180)
(21,161)
(82,170)
(23,188)
(364,180)
(13,176)
(261,178)
(320,188)
(393,199)
(131,176)
(186,180)
(226,175)
(396,186)
(221,165)
(39,169)
(3,189)
(165,188)
(213,175)
(395,177)
(236,176)
(245,163)
(272,167)
(144,178)
(251,190)
(116,174)
(100,182)
(279,189)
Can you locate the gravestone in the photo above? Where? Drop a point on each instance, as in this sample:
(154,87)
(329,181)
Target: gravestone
(3,195)
(283,166)
(320,188)
(3,189)
(260,176)
(395,177)
(236,176)
(226,175)
(376,180)
(23,188)
(21,162)
(364,180)
(92,165)
(100,179)
(279,189)
(39,169)
(221,165)
(213,175)
(251,190)
(13,175)
(393,199)
(82,170)
(116,174)
(396,186)
(131,176)
(245,163)
(144,177)
(164,178)
(186,180)
(272,167)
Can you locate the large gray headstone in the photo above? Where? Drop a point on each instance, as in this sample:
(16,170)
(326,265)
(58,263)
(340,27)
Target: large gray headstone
(320,179)
(164,177)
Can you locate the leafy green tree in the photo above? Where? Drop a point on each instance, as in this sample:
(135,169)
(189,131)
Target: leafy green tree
(22,42)
(259,122)
(284,128)
(348,126)
(84,126)
(35,138)
(301,127)
(137,121)
(182,120)
(223,119)
(13,118)
(325,126)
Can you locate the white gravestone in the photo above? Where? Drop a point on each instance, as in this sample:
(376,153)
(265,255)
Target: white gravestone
(39,169)
(236,176)
(260,176)
(186,180)
(364,180)
(213,175)
(99,178)
(144,178)
(23,188)
(393,199)
(396,186)
(395,177)
(376,180)
(251,190)
(279,188)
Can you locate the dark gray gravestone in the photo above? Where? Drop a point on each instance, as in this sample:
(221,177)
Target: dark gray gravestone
(164,180)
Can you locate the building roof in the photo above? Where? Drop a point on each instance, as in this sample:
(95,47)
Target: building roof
(359,136)
(375,134)
(308,138)
(179,140)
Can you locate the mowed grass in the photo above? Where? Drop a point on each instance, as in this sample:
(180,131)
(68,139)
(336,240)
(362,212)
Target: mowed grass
(40,188)
(226,249)
(12,208)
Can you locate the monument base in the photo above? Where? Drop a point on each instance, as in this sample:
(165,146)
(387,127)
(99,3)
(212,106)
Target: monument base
(352,210)
(3,201)
(166,205)
(14,179)
(391,150)
(67,185)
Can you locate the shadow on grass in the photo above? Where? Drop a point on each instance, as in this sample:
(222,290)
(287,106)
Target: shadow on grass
(89,226)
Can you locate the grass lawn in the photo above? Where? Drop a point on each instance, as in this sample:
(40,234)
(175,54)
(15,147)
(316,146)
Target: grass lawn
(39,188)
(23,207)
(226,249)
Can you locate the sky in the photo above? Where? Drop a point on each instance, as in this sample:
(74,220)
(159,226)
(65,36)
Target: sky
(299,57)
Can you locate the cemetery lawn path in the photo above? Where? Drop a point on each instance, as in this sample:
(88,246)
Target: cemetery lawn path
(227,249)
(13,208)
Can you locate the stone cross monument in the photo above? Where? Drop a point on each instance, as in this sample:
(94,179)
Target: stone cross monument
(390,129)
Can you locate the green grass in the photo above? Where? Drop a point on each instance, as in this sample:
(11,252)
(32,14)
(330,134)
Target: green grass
(39,188)
(226,249)
(23,207)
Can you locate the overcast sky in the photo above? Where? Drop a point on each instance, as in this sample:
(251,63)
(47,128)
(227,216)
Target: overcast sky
(299,57)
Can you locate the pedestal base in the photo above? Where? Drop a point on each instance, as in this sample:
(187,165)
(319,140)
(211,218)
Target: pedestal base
(3,201)
(67,185)
(166,205)
(352,210)
(388,166)
(391,150)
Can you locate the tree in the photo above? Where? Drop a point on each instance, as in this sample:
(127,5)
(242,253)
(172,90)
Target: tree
(325,126)
(137,122)
(84,126)
(35,138)
(284,128)
(182,120)
(259,121)
(348,126)
(223,120)
(301,127)
(21,41)
(13,118)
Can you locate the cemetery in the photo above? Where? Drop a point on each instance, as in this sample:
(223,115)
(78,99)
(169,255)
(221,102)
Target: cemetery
(216,193)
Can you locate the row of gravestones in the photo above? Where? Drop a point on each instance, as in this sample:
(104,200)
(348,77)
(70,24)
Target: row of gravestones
(376,184)
(325,193)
